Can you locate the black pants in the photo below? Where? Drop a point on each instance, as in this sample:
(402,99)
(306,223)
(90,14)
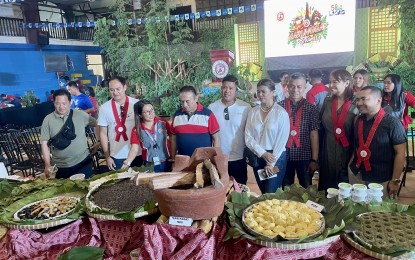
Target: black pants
(84,167)
(238,170)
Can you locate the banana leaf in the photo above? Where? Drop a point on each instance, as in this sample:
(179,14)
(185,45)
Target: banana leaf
(32,191)
(83,253)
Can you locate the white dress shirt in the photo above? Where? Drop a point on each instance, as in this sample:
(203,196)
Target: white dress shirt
(270,134)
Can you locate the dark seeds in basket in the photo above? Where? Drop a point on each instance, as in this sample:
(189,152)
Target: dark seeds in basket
(122,196)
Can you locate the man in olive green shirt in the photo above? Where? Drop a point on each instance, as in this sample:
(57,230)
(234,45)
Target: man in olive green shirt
(75,158)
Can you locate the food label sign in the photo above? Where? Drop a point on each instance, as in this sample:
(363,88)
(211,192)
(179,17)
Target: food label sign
(315,206)
(180,221)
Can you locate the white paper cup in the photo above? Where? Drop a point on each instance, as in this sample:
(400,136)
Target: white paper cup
(358,198)
(359,189)
(345,187)
(77,177)
(376,186)
(371,192)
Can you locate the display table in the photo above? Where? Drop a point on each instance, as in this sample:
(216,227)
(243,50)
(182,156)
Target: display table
(156,241)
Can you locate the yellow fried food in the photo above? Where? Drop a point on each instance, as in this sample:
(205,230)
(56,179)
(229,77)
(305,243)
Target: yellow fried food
(288,219)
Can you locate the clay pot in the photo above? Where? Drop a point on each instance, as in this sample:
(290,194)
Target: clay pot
(204,203)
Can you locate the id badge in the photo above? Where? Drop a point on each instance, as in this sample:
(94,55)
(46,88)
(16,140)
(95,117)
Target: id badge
(156,160)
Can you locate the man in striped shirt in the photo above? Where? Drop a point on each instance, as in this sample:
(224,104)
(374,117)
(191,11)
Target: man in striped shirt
(193,126)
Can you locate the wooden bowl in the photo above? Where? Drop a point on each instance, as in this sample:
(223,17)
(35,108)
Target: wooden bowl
(204,203)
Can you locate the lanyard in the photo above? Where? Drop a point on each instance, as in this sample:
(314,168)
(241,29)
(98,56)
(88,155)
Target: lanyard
(120,128)
(339,132)
(363,152)
(294,126)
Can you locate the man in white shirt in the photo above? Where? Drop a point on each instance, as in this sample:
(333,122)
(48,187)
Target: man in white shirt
(231,114)
(116,120)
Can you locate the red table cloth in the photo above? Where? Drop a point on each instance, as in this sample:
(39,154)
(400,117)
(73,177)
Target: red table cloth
(156,241)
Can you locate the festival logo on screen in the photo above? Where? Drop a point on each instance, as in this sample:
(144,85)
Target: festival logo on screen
(308,27)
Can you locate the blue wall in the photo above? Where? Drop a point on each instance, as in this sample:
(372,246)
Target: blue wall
(22,67)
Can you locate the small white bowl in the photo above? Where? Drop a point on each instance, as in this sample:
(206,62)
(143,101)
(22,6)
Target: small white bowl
(77,177)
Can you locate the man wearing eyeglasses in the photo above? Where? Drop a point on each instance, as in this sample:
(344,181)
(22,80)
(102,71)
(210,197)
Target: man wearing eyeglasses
(116,120)
(194,126)
(231,114)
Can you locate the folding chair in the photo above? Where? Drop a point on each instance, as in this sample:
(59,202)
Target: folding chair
(13,151)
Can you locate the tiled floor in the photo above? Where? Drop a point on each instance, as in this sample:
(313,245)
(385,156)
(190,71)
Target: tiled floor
(407,195)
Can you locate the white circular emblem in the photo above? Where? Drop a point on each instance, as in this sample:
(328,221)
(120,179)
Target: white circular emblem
(338,131)
(293,132)
(120,129)
(363,153)
(220,69)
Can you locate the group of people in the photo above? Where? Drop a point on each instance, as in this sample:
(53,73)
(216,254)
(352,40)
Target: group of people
(349,131)
(7,100)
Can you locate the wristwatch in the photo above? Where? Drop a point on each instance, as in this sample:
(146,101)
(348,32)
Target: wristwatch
(312,160)
(396,181)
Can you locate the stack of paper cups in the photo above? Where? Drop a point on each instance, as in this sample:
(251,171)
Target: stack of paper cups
(359,193)
(345,190)
(375,192)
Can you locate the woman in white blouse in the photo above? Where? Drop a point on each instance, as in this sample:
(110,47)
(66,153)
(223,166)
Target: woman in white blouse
(266,134)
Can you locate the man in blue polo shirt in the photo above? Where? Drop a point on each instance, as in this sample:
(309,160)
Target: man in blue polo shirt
(79,100)
(193,126)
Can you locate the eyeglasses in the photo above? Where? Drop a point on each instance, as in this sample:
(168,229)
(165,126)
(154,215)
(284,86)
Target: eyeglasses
(122,111)
(149,112)
(226,113)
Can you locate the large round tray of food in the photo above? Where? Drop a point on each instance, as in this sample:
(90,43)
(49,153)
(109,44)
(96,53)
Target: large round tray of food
(290,220)
(119,195)
(45,213)
(386,234)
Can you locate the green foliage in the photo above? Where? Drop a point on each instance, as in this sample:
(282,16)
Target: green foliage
(29,99)
(407,74)
(102,95)
(161,63)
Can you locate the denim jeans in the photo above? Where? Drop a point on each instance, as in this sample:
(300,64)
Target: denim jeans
(162,167)
(271,185)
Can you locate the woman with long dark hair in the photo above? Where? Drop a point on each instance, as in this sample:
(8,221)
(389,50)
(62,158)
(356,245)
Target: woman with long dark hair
(396,100)
(150,133)
(336,140)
